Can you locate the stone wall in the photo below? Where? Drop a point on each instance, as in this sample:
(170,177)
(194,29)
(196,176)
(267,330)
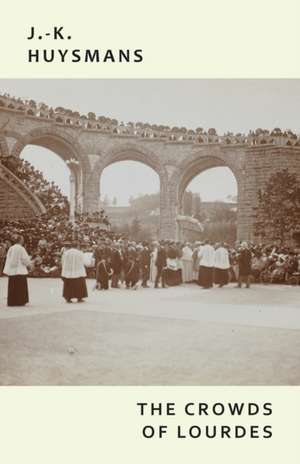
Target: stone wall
(16,200)
(12,205)
(260,164)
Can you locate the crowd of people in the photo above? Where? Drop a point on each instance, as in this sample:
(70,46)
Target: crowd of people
(44,238)
(117,262)
(48,192)
(90,121)
(171,263)
(45,234)
(56,204)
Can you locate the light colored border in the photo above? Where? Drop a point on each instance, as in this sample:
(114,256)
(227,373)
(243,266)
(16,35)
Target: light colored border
(93,425)
(191,39)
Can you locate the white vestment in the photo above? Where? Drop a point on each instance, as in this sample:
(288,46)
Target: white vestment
(17,261)
(222,259)
(73,264)
(187,264)
(153,268)
(207,256)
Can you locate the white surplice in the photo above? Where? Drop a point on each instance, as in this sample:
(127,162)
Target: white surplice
(17,261)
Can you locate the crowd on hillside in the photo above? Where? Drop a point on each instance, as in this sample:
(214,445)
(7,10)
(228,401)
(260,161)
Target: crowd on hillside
(48,192)
(44,235)
(95,217)
(91,121)
(44,238)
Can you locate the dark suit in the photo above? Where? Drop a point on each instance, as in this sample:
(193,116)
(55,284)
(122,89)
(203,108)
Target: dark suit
(131,273)
(145,265)
(244,260)
(103,274)
(161,264)
(116,264)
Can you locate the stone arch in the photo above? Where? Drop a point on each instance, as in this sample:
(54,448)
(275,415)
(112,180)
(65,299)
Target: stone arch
(194,165)
(130,152)
(123,152)
(199,162)
(65,146)
(55,139)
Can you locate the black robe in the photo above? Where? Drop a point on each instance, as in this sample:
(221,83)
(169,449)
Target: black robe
(17,294)
(74,288)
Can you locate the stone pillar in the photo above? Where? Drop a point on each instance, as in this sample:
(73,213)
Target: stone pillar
(168,208)
(91,192)
(79,192)
(72,197)
(247,198)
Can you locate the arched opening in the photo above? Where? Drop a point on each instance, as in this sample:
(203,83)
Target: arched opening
(57,157)
(210,196)
(129,194)
(50,178)
(51,165)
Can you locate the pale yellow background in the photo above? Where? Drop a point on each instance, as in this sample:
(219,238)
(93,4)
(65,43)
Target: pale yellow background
(188,38)
(195,39)
(101,425)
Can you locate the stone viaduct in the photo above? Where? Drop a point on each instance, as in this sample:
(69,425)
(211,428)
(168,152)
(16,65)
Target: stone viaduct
(88,150)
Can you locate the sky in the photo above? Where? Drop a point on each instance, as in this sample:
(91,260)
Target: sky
(225,104)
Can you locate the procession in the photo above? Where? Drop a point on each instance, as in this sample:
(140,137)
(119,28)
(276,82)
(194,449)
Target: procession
(116,264)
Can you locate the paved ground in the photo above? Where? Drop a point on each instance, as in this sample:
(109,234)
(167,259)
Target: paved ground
(178,336)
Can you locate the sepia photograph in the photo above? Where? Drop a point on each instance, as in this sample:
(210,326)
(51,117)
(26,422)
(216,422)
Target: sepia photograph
(149,232)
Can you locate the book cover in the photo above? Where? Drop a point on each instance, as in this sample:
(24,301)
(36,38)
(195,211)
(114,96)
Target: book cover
(149,232)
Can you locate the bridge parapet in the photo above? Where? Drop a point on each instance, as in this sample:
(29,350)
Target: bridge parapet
(91,122)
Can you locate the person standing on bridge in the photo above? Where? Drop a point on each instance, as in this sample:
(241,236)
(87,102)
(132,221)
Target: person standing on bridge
(17,262)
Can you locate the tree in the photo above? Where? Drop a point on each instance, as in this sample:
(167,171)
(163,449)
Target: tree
(220,232)
(278,209)
(115,201)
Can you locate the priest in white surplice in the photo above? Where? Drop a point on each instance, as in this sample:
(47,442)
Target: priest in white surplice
(73,273)
(207,261)
(222,265)
(17,262)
